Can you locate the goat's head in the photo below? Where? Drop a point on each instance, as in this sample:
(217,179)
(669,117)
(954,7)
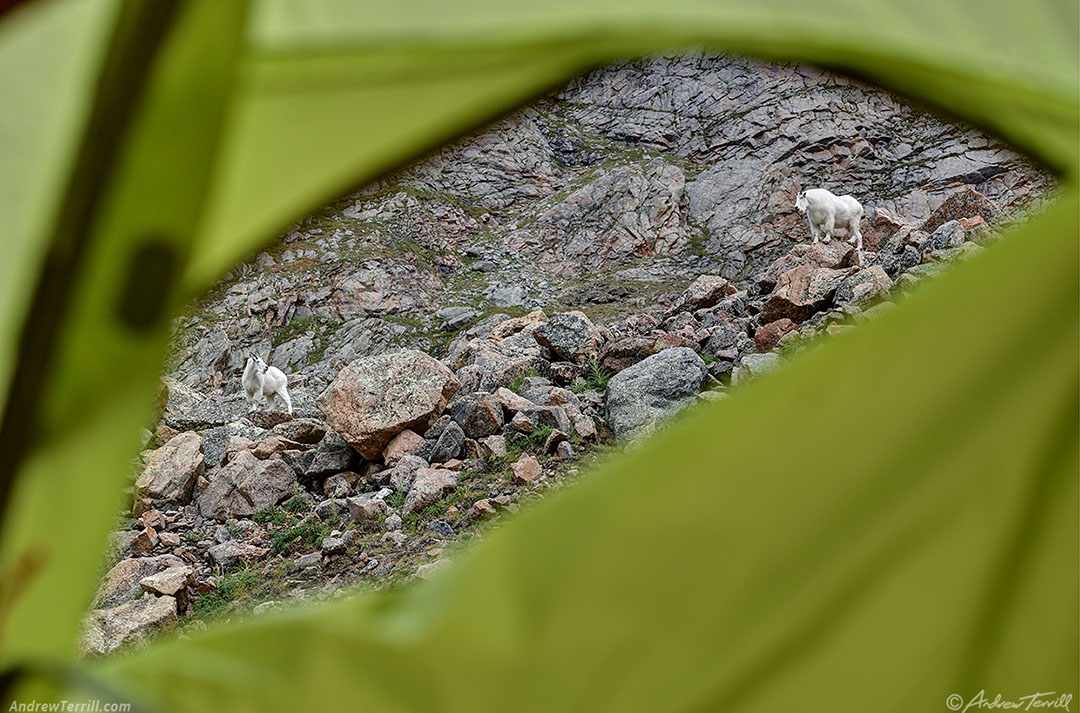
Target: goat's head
(257,361)
(800,202)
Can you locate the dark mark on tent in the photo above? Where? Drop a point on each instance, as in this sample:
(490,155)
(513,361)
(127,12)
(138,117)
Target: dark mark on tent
(152,269)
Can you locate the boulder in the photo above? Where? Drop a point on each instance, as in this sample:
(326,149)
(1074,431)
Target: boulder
(245,486)
(512,402)
(447,446)
(755,365)
(767,336)
(526,469)
(332,455)
(375,398)
(276,443)
(946,235)
(170,582)
(403,444)
(643,395)
(570,336)
(833,255)
(493,447)
(106,630)
(216,441)
(121,583)
(403,473)
(170,475)
(231,553)
(882,224)
(368,507)
(428,486)
(863,286)
(301,430)
(966,203)
(705,291)
(479,414)
(801,292)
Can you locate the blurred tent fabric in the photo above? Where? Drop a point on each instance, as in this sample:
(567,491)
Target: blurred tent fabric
(890,520)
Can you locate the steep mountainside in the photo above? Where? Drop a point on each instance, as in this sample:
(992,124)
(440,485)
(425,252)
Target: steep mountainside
(460,336)
(609,196)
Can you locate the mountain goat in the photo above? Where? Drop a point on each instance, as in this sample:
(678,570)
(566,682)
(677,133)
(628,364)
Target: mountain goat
(267,381)
(826,212)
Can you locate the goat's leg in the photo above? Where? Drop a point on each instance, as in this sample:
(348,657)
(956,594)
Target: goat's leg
(815,231)
(829,227)
(857,239)
(270,401)
(284,394)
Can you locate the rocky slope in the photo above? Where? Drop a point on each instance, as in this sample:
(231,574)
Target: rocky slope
(459,336)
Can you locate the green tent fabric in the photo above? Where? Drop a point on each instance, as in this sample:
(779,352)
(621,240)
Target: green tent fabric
(909,532)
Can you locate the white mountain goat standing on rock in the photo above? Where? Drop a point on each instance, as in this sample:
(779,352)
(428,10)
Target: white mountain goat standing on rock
(267,381)
(826,212)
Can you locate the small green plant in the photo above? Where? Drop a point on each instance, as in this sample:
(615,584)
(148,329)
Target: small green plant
(396,499)
(309,532)
(272,515)
(233,586)
(596,375)
(521,441)
(298,326)
(296,504)
(515,385)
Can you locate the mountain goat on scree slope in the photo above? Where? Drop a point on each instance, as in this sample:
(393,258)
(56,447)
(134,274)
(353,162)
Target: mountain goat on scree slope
(826,212)
(266,381)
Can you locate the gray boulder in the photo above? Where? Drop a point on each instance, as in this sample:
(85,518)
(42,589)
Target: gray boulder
(447,446)
(642,396)
(571,336)
(479,414)
(863,286)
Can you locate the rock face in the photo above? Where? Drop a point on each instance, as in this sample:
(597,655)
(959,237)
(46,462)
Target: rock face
(245,486)
(375,398)
(629,211)
(172,471)
(645,394)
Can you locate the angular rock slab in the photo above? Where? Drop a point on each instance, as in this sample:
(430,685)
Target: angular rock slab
(173,469)
(245,486)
